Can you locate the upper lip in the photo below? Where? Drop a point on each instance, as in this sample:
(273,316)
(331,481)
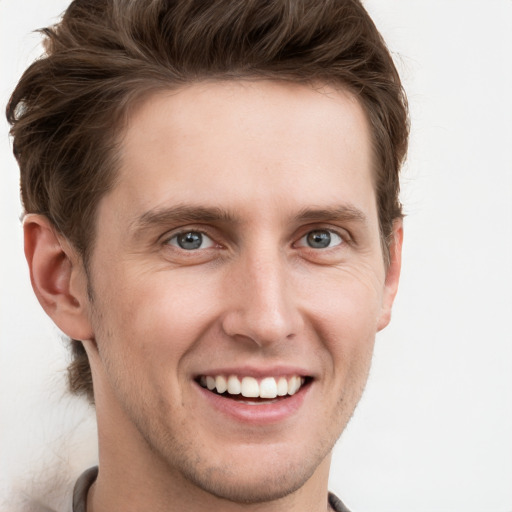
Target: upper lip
(259,372)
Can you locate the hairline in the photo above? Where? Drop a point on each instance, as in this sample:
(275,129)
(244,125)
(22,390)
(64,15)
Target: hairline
(138,97)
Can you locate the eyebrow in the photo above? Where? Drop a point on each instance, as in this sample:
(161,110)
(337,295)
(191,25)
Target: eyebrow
(188,213)
(181,213)
(341,213)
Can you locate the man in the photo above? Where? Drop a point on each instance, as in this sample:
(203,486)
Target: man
(212,216)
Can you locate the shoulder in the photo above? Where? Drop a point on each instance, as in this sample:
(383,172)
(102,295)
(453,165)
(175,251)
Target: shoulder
(81,489)
(336,504)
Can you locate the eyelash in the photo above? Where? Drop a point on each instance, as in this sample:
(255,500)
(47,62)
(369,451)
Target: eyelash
(175,236)
(342,239)
(342,235)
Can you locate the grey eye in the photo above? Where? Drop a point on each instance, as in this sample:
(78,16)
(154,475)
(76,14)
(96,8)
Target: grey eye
(320,239)
(191,240)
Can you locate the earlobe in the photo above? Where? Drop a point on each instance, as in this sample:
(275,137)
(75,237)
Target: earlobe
(392,274)
(57,277)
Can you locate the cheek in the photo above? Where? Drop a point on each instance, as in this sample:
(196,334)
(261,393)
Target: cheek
(344,313)
(153,312)
(346,301)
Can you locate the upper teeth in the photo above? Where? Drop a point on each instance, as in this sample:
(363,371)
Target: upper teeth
(249,387)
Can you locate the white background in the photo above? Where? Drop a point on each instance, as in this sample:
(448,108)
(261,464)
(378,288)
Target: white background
(434,429)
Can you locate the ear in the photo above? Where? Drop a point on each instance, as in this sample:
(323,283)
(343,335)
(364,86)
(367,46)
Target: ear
(58,277)
(392,274)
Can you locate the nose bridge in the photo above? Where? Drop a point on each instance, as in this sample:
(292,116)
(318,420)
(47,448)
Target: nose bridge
(263,306)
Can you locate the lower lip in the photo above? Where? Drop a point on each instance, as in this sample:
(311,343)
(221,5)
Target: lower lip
(259,413)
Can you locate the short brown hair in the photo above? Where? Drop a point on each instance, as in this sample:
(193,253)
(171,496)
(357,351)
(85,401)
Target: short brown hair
(70,105)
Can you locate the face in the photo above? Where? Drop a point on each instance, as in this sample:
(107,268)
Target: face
(237,285)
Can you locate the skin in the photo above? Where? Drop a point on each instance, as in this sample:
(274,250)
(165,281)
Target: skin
(274,162)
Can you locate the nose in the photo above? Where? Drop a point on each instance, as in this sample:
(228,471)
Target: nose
(263,303)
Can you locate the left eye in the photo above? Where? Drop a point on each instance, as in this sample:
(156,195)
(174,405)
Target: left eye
(320,239)
(191,240)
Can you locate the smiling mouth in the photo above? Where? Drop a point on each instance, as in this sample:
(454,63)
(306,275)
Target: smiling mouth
(264,390)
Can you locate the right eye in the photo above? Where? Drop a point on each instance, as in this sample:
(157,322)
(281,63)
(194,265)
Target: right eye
(320,239)
(191,241)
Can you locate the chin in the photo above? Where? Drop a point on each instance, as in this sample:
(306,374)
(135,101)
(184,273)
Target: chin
(254,485)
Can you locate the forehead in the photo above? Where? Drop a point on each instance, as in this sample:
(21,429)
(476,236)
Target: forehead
(239,142)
